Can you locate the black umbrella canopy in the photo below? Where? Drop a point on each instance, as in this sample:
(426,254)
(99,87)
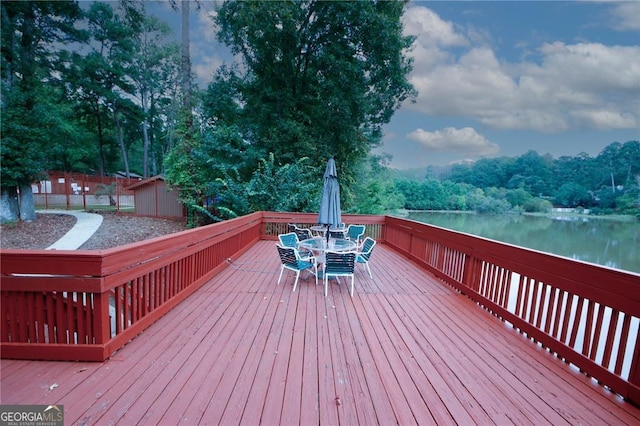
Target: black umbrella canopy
(330,213)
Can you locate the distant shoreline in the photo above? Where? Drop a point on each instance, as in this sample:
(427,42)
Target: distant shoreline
(551,215)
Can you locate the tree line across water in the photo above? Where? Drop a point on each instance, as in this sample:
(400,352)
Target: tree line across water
(607,183)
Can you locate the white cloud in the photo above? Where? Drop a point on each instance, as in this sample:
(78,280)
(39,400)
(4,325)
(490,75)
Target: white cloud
(606,119)
(464,141)
(583,85)
(433,30)
(592,67)
(474,85)
(435,36)
(627,15)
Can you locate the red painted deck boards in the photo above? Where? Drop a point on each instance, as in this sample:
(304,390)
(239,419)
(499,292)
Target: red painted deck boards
(242,350)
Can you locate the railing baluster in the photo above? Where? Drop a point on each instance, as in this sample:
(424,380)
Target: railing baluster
(567,317)
(551,305)
(541,304)
(588,329)
(598,333)
(519,301)
(576,322)
(40,316)
(61,333)
(560,302)
(624,336)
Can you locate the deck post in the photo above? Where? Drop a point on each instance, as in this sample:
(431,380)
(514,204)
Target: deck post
(101,320)
(469,274)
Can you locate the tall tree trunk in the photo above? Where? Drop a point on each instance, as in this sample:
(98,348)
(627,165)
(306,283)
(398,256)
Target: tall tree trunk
(145,149)
(27,207)
(613,183)
(9,208)
(123,149)
(154,165)
(145,131)
(102,164)
(186,58)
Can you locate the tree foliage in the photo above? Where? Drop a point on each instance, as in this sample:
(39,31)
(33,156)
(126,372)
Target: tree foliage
(318,79)
(76,86)
(531,183)
(30,60)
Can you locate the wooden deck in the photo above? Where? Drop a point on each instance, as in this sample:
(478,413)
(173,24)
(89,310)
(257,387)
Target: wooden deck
(241,350)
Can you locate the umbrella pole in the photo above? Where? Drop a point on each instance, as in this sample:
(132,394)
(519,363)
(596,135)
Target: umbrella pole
(328,234)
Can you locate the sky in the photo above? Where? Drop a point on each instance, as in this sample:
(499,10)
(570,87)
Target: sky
(499,78)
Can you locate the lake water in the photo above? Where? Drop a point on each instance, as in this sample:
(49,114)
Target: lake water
(615,244)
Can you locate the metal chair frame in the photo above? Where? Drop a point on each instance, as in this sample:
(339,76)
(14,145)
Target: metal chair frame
(356,232)
(291,260)
(291,239)
(365,253)
(339,264)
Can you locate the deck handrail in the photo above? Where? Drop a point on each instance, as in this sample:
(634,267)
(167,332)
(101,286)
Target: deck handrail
(85,305)
(583,313)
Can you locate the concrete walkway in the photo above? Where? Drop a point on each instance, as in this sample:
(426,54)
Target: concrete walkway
(86,225)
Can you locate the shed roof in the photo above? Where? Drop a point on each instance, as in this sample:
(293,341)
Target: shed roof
(146,182)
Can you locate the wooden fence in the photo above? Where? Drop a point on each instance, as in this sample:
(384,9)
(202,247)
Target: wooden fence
(85,305)
(65,190)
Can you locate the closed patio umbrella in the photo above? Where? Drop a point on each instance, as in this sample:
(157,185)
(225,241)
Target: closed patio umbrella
(330,214)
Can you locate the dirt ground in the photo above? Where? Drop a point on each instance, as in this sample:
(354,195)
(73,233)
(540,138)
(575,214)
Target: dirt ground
(115,230)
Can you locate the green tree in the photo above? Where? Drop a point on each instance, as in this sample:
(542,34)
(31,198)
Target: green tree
(581,169)
(611,165)
(518,197)
(630,154)
(271,180)
(187,170)
(484,173)
(573,195)
(105,71)
(155,75)
(32,36)
(535,172)
(410,191)
(319,79)
(434,195)
(373,191)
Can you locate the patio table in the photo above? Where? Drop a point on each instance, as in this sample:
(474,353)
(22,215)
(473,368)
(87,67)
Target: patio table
(319,246)
(321,230)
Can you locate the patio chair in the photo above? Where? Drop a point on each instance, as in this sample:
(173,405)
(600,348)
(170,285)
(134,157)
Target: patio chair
(365,253)
(291,240)
(337,234)
(355,233)
(339,264)
(291,259)
(302,233)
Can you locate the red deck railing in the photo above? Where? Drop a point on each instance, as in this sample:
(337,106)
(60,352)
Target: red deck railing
(85,305)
